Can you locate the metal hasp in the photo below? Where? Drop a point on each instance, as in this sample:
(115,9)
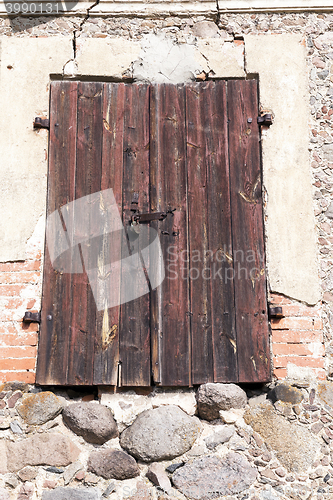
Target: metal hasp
(42,123)
(275,312)
(31,317)
(266,120)
(147,217)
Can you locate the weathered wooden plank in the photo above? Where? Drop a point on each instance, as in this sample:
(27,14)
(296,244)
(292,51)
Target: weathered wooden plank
(52,361)
(218,264)
(87,181)
(135,315)
(201,321)
(106,355)
(170,317)
(247,232)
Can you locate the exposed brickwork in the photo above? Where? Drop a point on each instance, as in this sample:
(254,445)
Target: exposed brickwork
(20,287)
(297,338)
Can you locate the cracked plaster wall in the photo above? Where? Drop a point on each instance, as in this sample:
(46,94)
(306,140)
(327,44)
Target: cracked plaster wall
(292,254)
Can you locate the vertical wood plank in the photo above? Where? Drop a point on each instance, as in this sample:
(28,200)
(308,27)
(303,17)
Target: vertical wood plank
(52,361)
(135,314)
(170,320)
(218,264)
(201,321)
(247,232)
(88,180)
(106,356)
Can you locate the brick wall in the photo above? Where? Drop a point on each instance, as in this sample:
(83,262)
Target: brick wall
(20,290)
(297,338)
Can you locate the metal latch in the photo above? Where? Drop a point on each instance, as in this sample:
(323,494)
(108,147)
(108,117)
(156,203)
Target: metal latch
(31,317)
(147,217)
(275,312)
(266,120)
(42,123)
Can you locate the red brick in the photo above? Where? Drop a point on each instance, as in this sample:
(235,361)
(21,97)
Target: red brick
(18,352)
(24,339)
(296,324)
(288,349)
(30,265)
(31,304)
(8,327)
(300,310)
(11,290)
(320,374)
(13,303)
(308,361)
(28,327)
(18,364)
(279,299)
(280,373)
(18,376)
(26,277)
(297,336)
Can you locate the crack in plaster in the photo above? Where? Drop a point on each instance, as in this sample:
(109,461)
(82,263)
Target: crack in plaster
(85,19)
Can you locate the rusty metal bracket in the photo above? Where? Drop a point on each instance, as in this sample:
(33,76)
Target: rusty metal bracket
(266,120)
(31,317)
(42,123)
(275,312)
(147,217)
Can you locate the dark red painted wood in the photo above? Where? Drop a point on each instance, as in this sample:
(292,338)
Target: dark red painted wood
(170,319)
(87,181)
(106,357)
(217,266)
(159,148)
(247,233)
(52,362)
(135,315)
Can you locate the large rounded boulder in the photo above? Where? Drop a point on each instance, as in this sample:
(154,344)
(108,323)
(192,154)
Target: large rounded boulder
(160,434)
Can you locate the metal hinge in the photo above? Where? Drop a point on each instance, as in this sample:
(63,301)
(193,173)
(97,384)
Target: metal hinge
(42,123)
(266,120)
(147,217)
(275,312)
(31,317)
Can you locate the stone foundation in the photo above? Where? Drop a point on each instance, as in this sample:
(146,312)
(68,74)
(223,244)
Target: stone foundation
(268,443)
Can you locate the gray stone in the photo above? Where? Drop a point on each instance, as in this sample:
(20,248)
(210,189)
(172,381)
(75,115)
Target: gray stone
(221,436)
(12,481)
(329,211)
(205,29)
(293,444)
(15,427)
(41,449)
(323,74)
(211,477)
(112,464)
(36,409)
(328,155)
(92,421)
(160,434)
(28,473)
(72,494)
(286,393)
(70,472)
(110,489)
(212,398)
(156,474)
(4,495)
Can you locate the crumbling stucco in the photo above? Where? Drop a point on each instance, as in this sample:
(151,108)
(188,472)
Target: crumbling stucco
(290,227)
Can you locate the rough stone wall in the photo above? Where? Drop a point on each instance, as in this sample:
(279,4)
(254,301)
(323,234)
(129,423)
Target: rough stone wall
(304,349)
(218,442)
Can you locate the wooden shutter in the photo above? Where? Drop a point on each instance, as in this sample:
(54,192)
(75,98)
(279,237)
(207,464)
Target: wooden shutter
(189,150)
